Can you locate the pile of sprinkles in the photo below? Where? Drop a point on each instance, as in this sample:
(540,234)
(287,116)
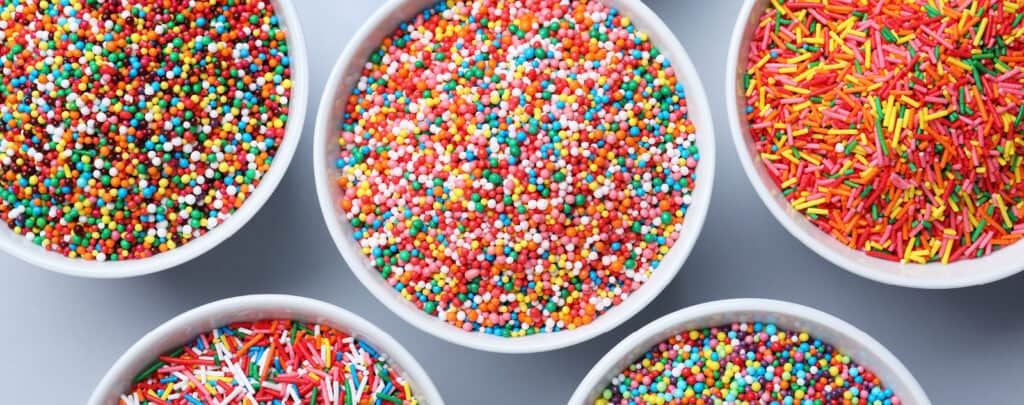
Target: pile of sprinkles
(129,127)
(745,363)
(893,125)
(272,362)
(517,167)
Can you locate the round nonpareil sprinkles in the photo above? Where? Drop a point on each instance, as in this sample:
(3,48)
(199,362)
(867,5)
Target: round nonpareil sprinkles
(517,167)
(272,362)
(131,127)
(745,364)
(893,125)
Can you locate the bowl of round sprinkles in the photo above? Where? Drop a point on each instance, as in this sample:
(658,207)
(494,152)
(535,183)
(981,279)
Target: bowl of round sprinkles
(883,134)
(260,349)
(749,351)
(514,176)
(135,136)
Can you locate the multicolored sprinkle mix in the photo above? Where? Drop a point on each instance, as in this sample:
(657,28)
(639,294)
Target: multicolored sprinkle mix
(272,362)
(129,128)
(893,125)
(745,364)
(519,167)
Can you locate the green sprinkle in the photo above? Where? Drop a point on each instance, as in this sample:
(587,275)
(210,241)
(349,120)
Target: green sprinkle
(388,398)
(888,35)
(977,230)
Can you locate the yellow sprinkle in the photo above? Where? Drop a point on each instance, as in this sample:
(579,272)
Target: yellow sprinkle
(890,116)
(909,249)
(845,25)
(810,158)
(869,173)
(867,54)
(935,246)
(801,58)
(835,131)
(949,249)
(789,156)
(937,115)
(917,257)
(807,74)
(910,101)
(981,30)
(1002,209)
(809,204)
(896,133)
(796,89)
(759,64)
(957,62)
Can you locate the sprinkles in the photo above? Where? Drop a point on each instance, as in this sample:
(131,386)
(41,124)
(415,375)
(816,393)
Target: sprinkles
(515,168)
(271,362)
(745,364)
(894,125)
(129,128)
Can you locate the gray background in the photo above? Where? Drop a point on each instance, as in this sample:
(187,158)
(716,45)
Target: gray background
(60,334)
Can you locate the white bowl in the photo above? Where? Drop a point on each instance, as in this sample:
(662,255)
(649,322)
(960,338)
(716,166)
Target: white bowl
(347,73)
(22,248)
(968,272)
(845,337)
(185,327)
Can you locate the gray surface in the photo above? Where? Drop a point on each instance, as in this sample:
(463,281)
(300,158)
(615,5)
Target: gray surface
(964,346)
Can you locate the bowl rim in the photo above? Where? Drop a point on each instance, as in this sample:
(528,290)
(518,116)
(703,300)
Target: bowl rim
(17,246)
(965,273)
(336,317)
(699,114)
(732,307)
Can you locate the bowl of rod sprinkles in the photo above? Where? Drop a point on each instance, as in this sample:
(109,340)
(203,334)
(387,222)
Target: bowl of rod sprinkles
(749,351)
(260,349)
(514,176)
(135,135)
(883,134)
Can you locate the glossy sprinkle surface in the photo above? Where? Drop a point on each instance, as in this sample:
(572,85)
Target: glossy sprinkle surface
(129,128)
(893,125)
(272,362)
(514,168)
(745,364)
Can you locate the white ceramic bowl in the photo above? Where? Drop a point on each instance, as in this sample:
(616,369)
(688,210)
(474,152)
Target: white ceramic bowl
(969,272)
(347,73)
(185,327)
(22,248)
(845,337)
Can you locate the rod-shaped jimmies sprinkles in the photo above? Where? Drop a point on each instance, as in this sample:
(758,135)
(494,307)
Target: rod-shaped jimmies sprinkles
(272,362)
(893,125)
